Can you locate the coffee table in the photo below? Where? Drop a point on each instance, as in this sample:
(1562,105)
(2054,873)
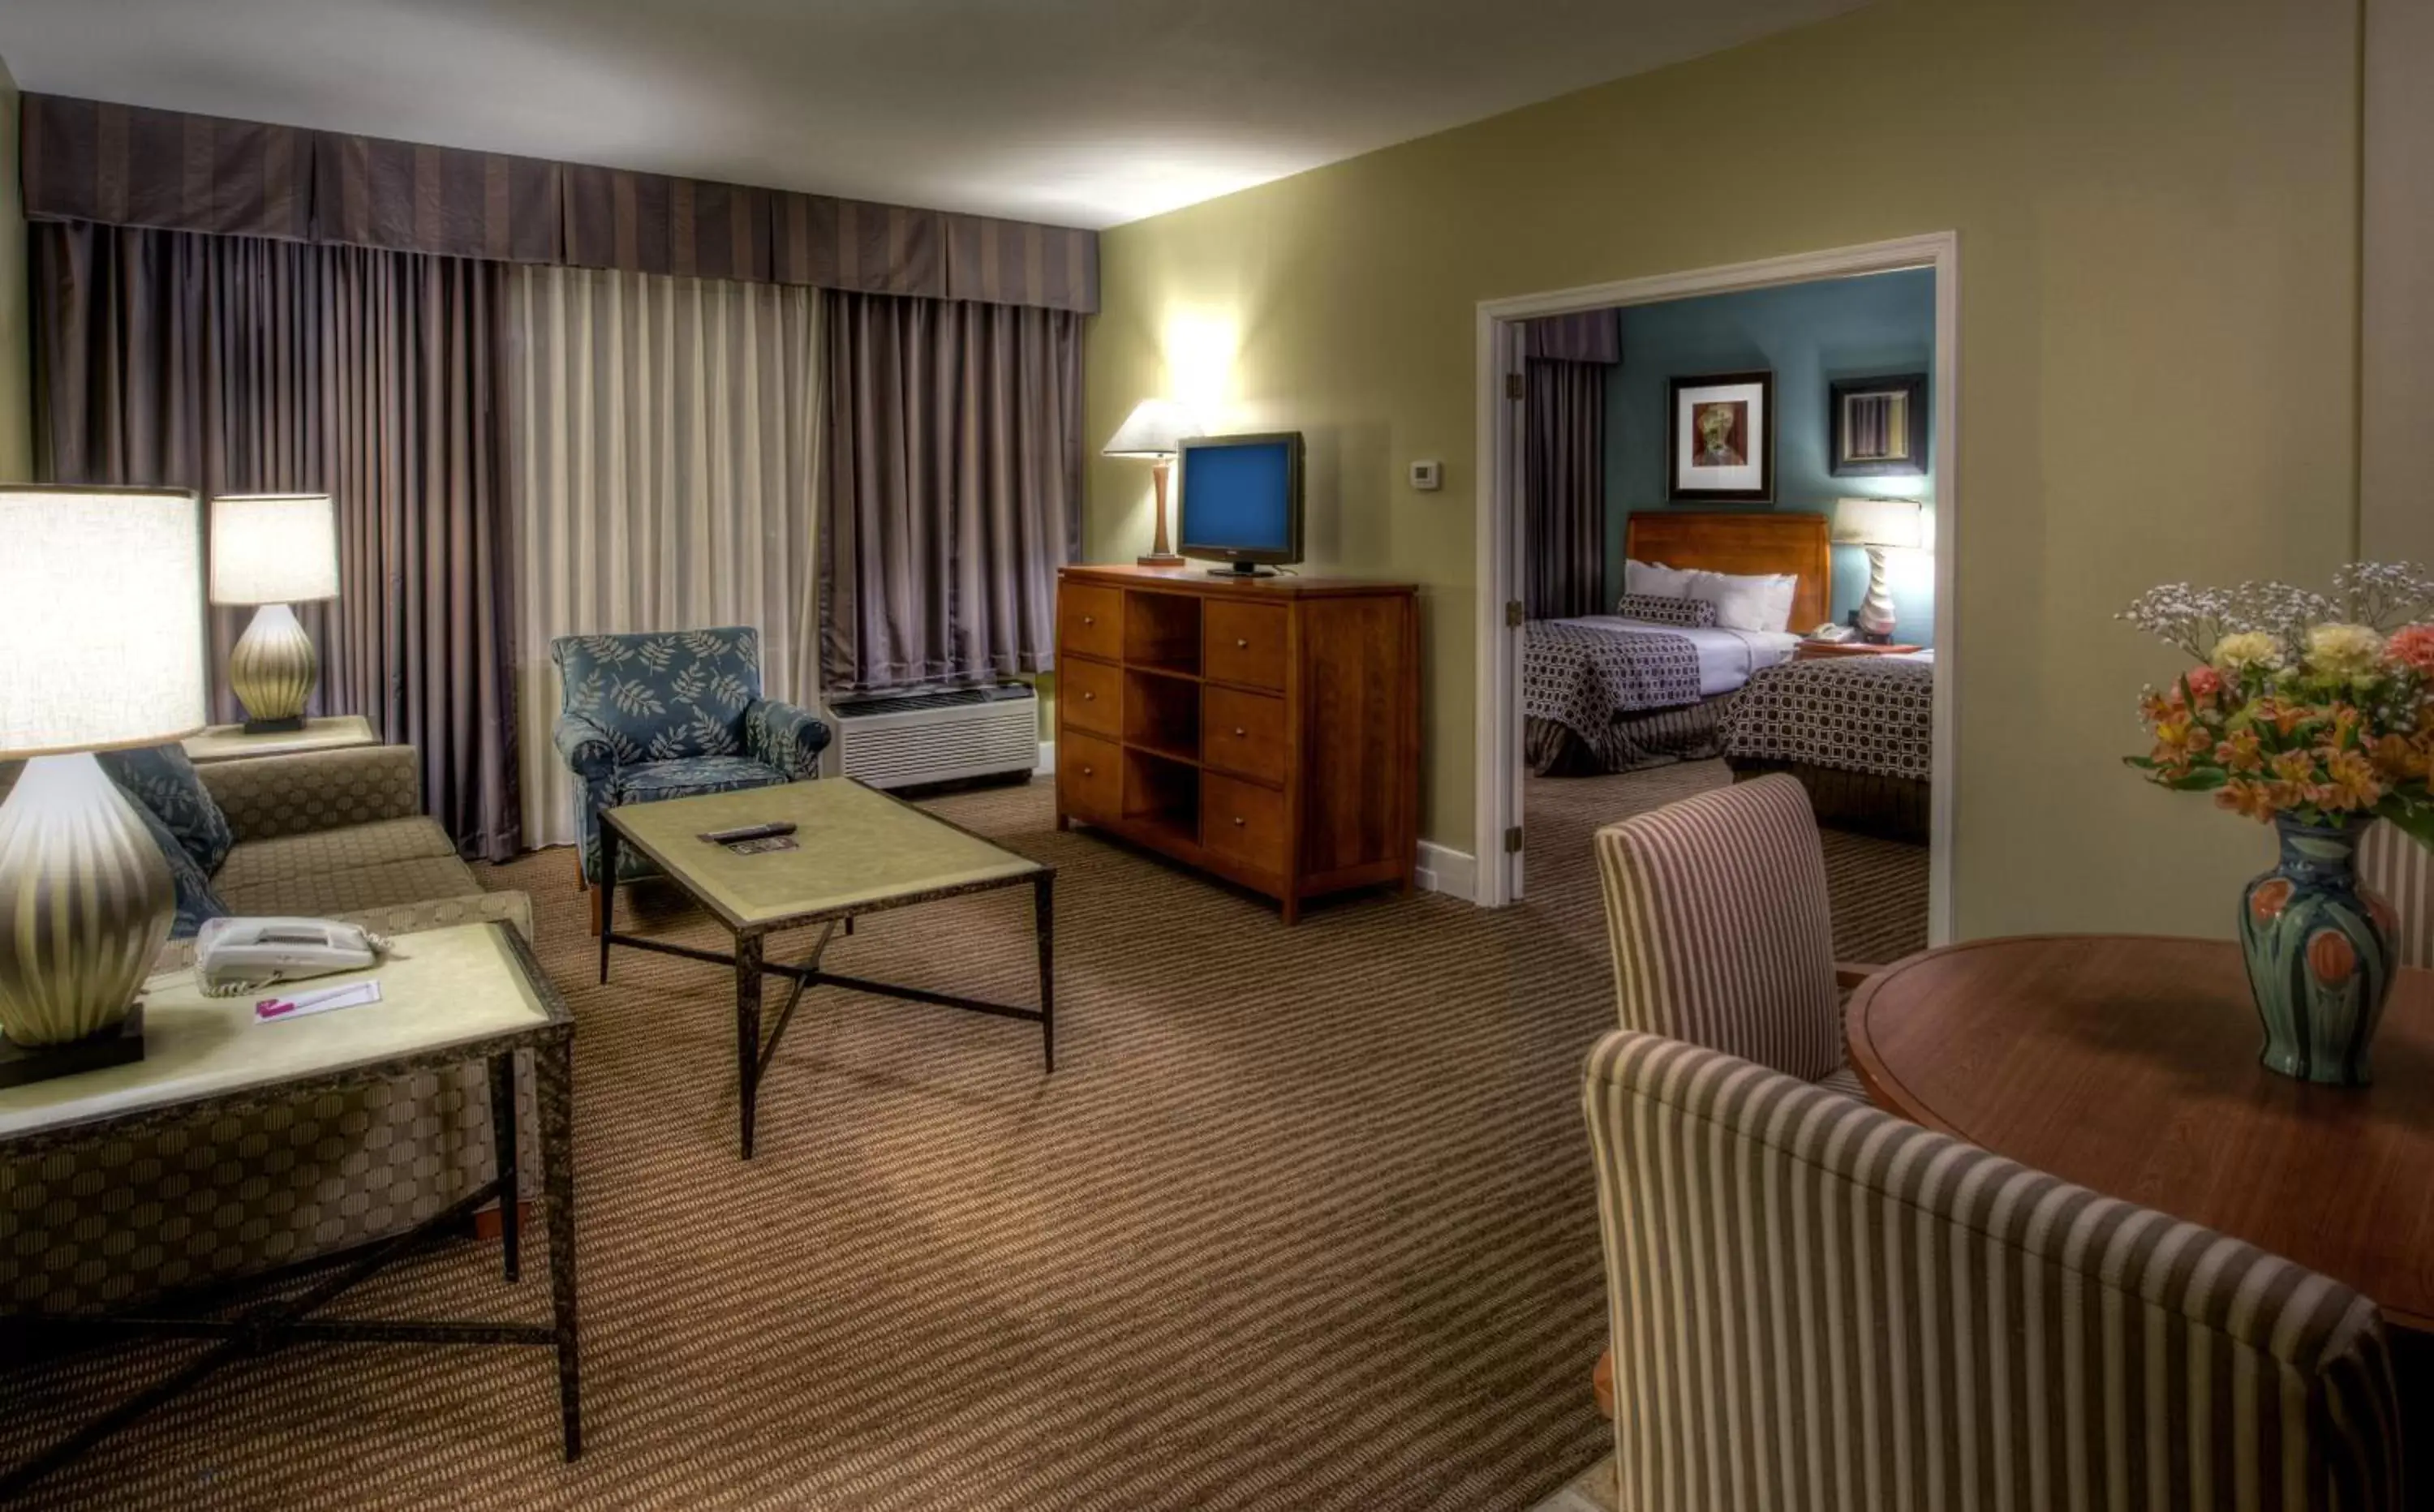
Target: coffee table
(859,851)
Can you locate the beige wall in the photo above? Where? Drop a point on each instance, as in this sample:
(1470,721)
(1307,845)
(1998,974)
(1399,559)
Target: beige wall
(2396,360)
(16,359)
(2156,203)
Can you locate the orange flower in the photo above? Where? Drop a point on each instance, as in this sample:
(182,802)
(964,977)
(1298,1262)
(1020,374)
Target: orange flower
(2401,759)
(2240,751)
(2254,800)
(2293,767)
(2285,717)
(2350,783)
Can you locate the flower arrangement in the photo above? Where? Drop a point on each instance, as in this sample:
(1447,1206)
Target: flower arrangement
(2314,707)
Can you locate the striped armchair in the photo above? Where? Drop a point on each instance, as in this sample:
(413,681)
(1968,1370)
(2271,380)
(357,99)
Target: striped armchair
(1717,913)
(2390,862)
(1816,1305)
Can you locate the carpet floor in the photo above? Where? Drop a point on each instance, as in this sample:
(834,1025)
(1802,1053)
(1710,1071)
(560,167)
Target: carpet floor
(1304,1219)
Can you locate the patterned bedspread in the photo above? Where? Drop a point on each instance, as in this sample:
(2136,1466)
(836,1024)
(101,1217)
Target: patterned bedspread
(1582,678)
(1856,713)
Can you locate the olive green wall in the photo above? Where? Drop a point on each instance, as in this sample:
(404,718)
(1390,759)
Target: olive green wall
(2156,204)
(16,352)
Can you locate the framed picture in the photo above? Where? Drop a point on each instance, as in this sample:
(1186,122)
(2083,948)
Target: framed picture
(1720,446)
(1878,426)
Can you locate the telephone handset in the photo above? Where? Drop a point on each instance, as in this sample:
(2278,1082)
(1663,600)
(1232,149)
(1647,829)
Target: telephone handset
(1834,634)
(235,955)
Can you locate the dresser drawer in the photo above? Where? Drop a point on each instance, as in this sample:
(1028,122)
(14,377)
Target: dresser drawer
(1243,733)
(1090,621)
(1090,777)
(1244,822)
(1087,695)
(1244,643)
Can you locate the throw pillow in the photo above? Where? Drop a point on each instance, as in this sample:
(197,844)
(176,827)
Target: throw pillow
(160,779)
(1692,613)
(1761,601)
(195,899)
(1655,579)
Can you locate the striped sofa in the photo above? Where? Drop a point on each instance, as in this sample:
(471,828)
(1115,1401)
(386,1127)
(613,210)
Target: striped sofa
(1816,1305)
(1717,913)
(2394,864)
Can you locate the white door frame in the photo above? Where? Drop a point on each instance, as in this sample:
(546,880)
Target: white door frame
(1499,759)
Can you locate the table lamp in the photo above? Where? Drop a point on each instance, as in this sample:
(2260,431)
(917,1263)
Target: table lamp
(101,610)
(1151,430)
(274,550)
(1878,524)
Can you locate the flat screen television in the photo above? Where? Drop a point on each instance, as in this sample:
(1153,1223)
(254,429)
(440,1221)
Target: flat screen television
(1240,501)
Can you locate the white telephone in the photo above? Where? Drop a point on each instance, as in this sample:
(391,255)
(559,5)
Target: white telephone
(234,955)
(1834,634)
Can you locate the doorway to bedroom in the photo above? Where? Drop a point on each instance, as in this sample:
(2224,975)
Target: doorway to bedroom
(1717,540)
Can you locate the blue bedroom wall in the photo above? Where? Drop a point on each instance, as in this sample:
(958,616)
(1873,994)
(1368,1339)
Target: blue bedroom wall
(1809,334)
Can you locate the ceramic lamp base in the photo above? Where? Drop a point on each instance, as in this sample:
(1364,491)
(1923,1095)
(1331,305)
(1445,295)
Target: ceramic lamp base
(85,902)
(272,671)
(1876,609)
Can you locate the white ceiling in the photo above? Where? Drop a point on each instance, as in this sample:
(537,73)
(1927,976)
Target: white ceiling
(1085,113)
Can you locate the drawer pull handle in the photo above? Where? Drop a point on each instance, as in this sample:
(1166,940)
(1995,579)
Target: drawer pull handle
(1089,771)
(1241,644)
(1237,733)
(1089,619)
(1089,697)
(1238,821)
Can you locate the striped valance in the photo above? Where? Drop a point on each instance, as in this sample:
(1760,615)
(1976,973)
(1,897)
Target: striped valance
(128,165)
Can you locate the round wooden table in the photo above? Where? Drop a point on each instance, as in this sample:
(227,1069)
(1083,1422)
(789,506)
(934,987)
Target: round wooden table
(2128,1064)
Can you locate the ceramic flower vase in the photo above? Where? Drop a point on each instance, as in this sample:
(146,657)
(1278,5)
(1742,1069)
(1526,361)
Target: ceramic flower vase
(2319,949)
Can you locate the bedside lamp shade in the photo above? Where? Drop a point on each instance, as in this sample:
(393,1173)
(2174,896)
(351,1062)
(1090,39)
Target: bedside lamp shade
(1151,430)
(101,610)
(273,549)
(1879,522)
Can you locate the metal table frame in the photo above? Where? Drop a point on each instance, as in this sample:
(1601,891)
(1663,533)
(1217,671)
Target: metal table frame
(749,961)
(268,1326)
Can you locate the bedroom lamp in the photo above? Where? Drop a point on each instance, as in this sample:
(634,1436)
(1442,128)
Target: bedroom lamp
(1152,430)
(101,608)
(273,549)
(1879,525)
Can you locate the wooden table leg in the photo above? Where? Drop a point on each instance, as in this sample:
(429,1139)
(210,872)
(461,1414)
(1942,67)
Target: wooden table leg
(502,1152)
(554,1088)
(608,893)
(1043,907)
(747,1030)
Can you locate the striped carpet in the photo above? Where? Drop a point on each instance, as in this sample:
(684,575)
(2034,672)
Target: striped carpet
(1305,1219)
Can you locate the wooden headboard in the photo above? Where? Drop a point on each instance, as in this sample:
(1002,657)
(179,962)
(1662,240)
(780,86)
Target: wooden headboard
(1744,542)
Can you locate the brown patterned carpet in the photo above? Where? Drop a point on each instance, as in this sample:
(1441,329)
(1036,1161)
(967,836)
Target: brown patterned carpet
(1303,1220)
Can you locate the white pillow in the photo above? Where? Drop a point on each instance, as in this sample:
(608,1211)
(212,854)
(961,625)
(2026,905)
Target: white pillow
(1762,602)
(1655,579)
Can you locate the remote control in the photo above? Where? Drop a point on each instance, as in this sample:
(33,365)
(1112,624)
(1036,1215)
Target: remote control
(728,837)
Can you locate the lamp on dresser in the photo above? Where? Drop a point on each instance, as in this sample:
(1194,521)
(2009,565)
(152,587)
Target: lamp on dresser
(101,609)
(1152,430)
(1879,525)
(275,551)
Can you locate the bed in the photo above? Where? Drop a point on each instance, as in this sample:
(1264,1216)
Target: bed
(1604,693)
(1857,732)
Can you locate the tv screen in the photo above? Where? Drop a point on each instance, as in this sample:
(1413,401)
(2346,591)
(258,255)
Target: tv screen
(1242,498)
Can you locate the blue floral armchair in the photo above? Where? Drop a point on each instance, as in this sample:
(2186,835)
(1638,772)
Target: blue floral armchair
(672,714)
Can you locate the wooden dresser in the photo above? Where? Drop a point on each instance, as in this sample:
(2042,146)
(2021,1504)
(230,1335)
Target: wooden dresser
(1267,731)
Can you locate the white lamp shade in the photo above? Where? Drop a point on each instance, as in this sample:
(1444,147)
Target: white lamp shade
(101,610)
(273,549)
(1152,429)
(1879,522)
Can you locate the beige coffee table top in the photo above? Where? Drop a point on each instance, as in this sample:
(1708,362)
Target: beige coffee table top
(227,743)
(857,849)
(444,989)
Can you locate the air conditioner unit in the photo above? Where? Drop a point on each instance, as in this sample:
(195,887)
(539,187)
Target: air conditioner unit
(898,739)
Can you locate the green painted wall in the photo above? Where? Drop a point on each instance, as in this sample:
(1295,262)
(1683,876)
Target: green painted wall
(2158,219)
(1807,336)
(16,346)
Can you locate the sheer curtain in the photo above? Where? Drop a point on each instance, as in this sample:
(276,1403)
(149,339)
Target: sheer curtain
(663,453)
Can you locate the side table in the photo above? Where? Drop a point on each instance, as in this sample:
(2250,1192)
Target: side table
(471,993)
(227,743)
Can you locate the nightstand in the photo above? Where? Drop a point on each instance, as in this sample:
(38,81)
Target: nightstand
(1822,650)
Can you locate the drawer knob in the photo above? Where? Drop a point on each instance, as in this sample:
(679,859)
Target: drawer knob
(1238,821)
(1238,732)
(1241,644)
(1089,771)
(1089,619)
(1089,697)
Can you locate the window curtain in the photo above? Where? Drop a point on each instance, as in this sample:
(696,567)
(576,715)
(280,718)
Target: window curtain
(664,447)
(1566,358)
(953,488)
(233,365)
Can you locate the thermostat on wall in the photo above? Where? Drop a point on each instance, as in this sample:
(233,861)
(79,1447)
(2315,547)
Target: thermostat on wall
(1428,477)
